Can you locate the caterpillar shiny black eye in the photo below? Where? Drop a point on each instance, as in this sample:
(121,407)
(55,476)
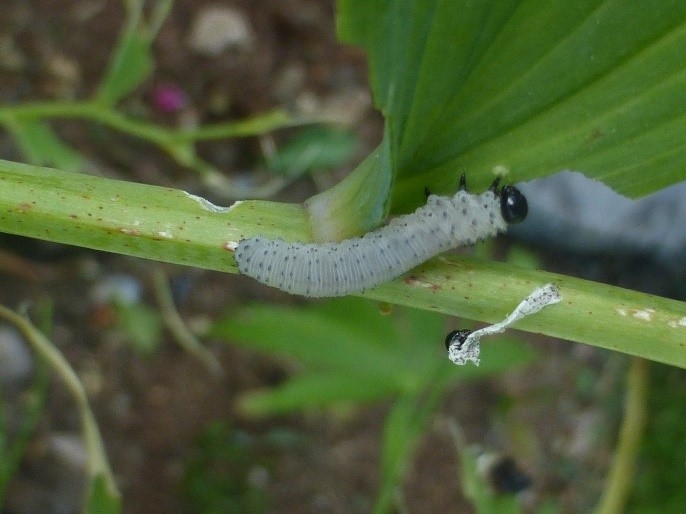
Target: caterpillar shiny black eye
(353,265)
(513,205)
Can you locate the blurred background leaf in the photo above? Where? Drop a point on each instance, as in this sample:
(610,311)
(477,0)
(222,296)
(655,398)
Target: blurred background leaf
(352,353)
(313,149)
(132,62)
(41,146)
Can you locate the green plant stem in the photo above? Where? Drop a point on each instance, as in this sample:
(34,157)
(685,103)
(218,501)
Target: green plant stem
(177,143)
(621,474)
(170,225)
(97,458)
(183,336)
(93,111)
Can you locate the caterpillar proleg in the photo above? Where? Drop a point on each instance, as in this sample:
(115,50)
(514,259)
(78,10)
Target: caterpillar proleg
(353,265)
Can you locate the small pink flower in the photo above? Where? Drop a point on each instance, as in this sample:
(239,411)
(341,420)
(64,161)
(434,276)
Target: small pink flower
(169,98)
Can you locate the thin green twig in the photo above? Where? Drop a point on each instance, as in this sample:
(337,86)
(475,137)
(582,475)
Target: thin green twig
(98,465)
(151,132)
(177,143)
(620,477)
(183,336)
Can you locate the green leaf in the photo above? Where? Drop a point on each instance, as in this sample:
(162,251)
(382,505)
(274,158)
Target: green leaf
(528,88)
(316,390)
(355,205)
(141,324)
(354,353)
(404,425)
(131,63)
(313,149)
(41,146)
(325,341)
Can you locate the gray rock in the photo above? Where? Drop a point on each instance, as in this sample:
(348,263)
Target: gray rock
(16,361)
(217,28)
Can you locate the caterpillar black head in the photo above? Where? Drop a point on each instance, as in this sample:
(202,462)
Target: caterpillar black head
(513,204)
(457,336)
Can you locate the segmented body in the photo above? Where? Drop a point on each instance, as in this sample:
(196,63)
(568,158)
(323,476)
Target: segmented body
(353,265)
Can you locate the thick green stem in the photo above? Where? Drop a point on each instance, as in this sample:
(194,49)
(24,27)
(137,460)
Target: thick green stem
(173,226)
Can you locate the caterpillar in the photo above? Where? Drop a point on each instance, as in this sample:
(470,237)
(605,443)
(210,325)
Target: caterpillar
(357,264)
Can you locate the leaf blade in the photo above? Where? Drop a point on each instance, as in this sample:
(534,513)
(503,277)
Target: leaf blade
(528,88)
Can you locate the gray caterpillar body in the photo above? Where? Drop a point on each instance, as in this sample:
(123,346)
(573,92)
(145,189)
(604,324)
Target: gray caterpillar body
(353,265)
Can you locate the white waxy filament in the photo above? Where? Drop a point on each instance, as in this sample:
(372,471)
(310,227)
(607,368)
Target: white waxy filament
(461,350)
